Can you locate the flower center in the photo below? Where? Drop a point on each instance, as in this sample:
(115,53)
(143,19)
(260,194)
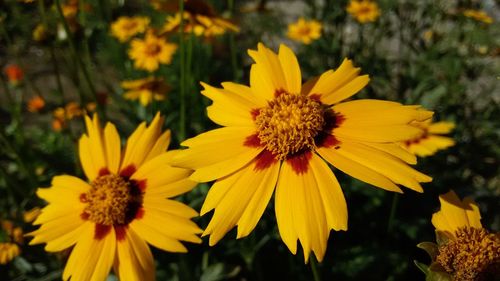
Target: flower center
(112,200)
(289,124)
(130,25)
(473,255)
(153,49)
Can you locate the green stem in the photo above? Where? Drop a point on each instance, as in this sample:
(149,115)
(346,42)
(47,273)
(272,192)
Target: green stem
(392,214)
(74,53)
(314,268)
(182,114)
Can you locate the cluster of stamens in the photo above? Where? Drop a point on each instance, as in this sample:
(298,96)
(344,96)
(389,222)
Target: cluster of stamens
(474,255)
(289,124)
(111,200)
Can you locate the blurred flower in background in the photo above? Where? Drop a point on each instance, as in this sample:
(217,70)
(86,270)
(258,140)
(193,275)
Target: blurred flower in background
(30,215)
(35,104)
(478,15)
(145,90)
(125,28)
(14,74)
(465,251)
(39,33)
(430,140)
(11,237)
(304,31)
(363,10)
(150,52)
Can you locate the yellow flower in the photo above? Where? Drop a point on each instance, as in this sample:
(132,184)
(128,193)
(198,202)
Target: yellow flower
(35,104)
(145,90)
(304,31)
(430,141)
(108,219)
(39,33)
(8,251)
(279,135)
(150,52)
(125,28)
(363,10)
(478,16)
(470,253)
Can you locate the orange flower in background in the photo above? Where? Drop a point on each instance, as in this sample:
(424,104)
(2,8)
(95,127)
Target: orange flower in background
(14,73)
(279,135)
(125,203)
(304,31)
(35,104)
(363,10)
(431,139)
(150,52)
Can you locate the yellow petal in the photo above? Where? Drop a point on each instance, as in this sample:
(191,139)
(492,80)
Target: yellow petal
(291,69)
(284,204)
(160,146)
(394,150)
(134,260)
(57,228)
(90,170)
(96,142)
(113,146)
(441,127)
(157,238)
(180,228)
(168,206)
(269,70)
(453,211)
(472,211)
(357,170)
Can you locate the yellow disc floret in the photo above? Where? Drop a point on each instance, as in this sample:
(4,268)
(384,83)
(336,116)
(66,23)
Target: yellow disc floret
(472,256)
(110,200)
(289,124)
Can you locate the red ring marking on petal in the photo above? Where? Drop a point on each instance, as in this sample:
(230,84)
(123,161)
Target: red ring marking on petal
(316,97)
(84,216)
(101,231)
(121,232)
(83,198)
(103,171)
(128,171)
(300,161)
(255,112)
(139,214)
(264,160)
(252,141)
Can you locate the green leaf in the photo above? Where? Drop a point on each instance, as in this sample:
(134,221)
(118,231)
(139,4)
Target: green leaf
(431,249)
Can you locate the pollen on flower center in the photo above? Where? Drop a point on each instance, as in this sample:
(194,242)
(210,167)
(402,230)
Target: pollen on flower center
(289,124)
(112,200)
(473,255)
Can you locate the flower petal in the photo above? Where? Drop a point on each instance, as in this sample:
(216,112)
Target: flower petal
(134,260)
(291,69)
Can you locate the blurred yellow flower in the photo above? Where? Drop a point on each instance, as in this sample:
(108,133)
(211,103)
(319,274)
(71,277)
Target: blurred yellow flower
(35,104)
(30,215)
(304,31)
(8,251)
(363,10)
(478,15)
(70,9)
(200,25)
(39,33)
(150,52)
(125,28)
(279,136)
(430,140)
(469,252)
(145,90)
(109,219)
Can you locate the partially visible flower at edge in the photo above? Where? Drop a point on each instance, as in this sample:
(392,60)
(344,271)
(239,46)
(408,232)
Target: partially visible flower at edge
(145,90)
(363,10)
(150,52)
(465,250)
(125,28)
(9,248)
(108,219)
(8,251)
(478,15)
(35,104)
(278,136)
(430,141)
(304,31)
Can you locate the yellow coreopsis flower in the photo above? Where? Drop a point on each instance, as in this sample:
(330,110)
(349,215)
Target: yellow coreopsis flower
(109,218)
(430,140)
(150,52)
(125,28)
(478,15)
(363,10)
(145,90)
(470,252)
(279,135)
(304,31)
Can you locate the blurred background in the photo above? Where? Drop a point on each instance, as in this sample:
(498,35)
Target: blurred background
(63,59)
